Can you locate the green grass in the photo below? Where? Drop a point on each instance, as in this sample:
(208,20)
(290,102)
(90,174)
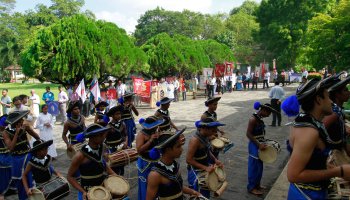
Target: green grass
(16,89)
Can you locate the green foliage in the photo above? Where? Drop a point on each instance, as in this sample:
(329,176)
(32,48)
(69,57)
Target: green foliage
(79,47)
(248,7)
(217,52)
(283,24)
(66,8)
(311,76)
(328,38)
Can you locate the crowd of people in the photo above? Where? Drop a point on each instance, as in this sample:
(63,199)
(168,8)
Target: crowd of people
(26,156)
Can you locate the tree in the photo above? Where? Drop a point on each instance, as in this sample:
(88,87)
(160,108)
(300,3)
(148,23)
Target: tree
(328,39)
(79,47)
(6,6)
(216,52)
(66,8)
(248,7)
(283,24)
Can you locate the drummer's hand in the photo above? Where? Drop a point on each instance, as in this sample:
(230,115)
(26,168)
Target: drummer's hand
(219,163)
(262,146)
(69,147)
(85,196)
(194,193)
(210,168)
(29,192)
(346,172)
(125,146)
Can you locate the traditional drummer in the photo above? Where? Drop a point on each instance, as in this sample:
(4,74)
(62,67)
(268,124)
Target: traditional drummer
(75,124)
(146,139)
(5,160)
(256,136)
(165,181)
(212,104)
(335,123)
(39,166)
(117,136)
(101,115)
(199,154)
(15,138)
(128,108)
(90,156)
(163,113)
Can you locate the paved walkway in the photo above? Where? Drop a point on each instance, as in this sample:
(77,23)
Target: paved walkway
(234,110)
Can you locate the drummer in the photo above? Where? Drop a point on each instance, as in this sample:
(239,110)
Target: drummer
(5,161)
(146,139)
(164,180)
(39,166)
(101,117)
(127,116)
(90,157)
(163,113)
(199,154)
(256,136)
(309,141)
(75,124)
(335,123)
(15,138)
(117,136)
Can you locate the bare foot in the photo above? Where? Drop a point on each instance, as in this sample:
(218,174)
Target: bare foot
(261,187)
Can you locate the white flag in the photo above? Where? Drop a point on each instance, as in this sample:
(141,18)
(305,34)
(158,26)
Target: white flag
(95,89)
(81,91)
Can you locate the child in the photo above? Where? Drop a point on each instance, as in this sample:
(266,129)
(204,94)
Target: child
(101,117)
(127,116)
(39,165)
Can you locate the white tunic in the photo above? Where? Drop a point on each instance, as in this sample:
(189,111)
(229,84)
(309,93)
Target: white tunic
(46,133)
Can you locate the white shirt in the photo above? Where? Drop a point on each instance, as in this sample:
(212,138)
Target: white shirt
(62,97)
(305,74)
(267,76)
(276,92)
(171,89)
(213,81)
(176,84)
(121,90)
(35,99)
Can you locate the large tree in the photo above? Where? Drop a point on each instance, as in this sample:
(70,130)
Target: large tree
(79,47)
(328,39)
(283,24)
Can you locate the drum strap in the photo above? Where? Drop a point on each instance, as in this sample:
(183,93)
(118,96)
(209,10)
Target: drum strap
(302,193)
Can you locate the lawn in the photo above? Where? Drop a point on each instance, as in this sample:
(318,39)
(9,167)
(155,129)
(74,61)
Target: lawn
(16,89)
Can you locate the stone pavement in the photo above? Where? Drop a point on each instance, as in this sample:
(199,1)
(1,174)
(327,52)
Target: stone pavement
(234,110)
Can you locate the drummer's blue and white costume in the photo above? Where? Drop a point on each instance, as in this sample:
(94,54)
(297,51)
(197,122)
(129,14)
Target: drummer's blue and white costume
(5,161)
(128,119)
(255,165)
(115,138)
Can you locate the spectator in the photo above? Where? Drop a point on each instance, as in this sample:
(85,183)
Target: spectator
(283,77)
(74,96)
(266,79)
(35,102)
(110,85)
(5,102)
(255,78)
(48,96)
(18,105)
(223,84)
(184,90)
(275,75)
(171,89)
(244,80)
(120,89)
(304,73)
(62,100)
(218,85)
(276,95)
(176,90)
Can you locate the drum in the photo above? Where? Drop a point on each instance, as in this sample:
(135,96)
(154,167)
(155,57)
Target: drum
(220,173)
(217,143)
(76,148)
(269,155)
(211,181)
(225,139)
(122,158)
(36,195)
(118,186)
(56,188)
(99,193)
(197,198)
(337,158)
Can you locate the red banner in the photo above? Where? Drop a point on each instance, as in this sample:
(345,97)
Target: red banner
(219,70)
(137,84)
(229,69)
(111,94)
(146,91)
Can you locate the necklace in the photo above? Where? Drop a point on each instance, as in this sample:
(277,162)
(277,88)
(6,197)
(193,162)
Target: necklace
(167,167)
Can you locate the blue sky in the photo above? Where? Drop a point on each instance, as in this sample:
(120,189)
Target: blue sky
(125,13)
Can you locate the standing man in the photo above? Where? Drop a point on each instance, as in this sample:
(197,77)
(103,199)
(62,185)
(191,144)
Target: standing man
(62,100)
(120,89)
(266,79)
(5,102)
(48,96)
(276,95)
(283,77)
(35,102)
(304,73)
(176,90)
